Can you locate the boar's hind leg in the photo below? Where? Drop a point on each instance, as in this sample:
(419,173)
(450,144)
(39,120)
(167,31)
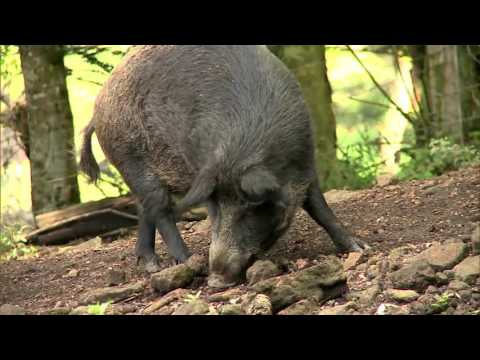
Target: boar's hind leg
(317,207)
(145,248)
(157,208)
(155,211)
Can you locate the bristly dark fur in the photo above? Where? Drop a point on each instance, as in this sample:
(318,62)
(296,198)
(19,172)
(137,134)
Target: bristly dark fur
(174,110)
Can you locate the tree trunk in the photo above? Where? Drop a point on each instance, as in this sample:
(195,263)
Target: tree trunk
(308,63)
(422,125)
(445,92)
(447,85)
(51,142)
(469,68)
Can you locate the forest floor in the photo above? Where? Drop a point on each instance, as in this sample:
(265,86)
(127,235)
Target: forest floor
(434,218)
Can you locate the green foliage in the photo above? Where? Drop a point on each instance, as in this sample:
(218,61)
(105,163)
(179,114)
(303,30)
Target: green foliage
(9,64)
(442,303)
(91,54)
(440,156)
(355,100)
(13,244)
(358,164)
(111,179)
(98,309)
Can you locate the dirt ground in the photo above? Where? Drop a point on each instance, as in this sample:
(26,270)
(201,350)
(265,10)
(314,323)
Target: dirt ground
(415,213)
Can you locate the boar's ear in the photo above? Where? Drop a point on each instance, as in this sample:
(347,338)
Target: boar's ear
(200,190)
(259,185)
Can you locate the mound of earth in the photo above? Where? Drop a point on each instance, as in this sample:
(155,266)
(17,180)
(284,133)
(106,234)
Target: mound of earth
(424,259)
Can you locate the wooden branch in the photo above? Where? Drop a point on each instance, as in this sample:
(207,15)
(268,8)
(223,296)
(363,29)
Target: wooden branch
(98,218)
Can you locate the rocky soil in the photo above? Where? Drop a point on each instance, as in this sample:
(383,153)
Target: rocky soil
(424,259)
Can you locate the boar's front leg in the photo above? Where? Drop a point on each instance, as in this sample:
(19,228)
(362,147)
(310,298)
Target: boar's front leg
(317,207)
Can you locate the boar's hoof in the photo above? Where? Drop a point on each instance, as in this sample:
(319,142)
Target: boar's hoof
(353,244)
(149,265)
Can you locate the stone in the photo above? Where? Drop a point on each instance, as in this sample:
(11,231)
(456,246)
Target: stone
(361,267)
(453,241)
(353,259)
(475,238)
(72,274)
(415,276)
(122,309)
(441,278)
(336,196)
(8,309)
(466,294)
(301,264)
(80,310)
(450,311)
(116,277)
(225,295)
(199,264)
(172,278)
(262,270)
(57,311)
(431,290)
(166,310)
(391,309)
(394,265)
(172,296)
(344,309)
(443,256)
(450,274)
(399,252)
(231,309)
(457,285)
(468,270)
(373,272)
(260,305)
(114,294)
(367,296)
(373,261)
(92,244)
(402,295)
(419,308)
(195,307)
(321,282)
(302,307)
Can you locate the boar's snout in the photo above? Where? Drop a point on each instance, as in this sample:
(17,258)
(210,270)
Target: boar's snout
(228,267)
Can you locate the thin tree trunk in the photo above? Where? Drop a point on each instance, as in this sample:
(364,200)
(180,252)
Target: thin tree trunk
(469,68)
(445,91)
(422,125)
(51,141)
(308,63)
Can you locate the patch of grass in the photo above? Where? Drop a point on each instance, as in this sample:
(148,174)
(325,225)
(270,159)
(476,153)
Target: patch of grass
(192,297)
(98,308)
(13,244)
(442,304)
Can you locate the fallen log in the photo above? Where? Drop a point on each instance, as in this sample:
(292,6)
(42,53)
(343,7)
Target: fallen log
(91,219)
(125,204)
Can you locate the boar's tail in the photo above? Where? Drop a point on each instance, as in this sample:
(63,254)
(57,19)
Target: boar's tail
(88,164)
